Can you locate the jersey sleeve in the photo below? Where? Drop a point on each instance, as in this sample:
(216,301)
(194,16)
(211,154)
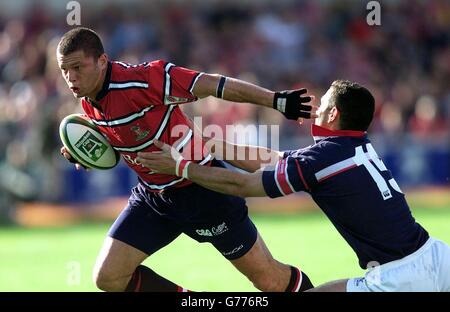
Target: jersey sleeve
(183,80)
(291,174)
(178,84)
(174,84)
(286,154)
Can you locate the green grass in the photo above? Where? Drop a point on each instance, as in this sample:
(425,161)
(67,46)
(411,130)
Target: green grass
(48,259)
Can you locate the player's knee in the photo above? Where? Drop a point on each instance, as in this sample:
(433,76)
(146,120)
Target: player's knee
(107,281)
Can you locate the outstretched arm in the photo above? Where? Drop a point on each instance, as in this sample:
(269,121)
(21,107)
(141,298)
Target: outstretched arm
(233,90)
(216,179)
(226,181)
(245,157)
(294,104)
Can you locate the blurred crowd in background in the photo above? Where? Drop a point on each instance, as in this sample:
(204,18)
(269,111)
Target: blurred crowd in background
(280,45)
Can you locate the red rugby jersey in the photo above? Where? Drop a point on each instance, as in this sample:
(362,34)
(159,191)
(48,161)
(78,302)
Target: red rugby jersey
(138,104)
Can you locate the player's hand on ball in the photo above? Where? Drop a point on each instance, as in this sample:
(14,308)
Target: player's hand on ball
(163,161)
(72,160)
(295,104)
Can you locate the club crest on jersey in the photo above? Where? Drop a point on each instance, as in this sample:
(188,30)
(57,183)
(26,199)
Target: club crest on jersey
(140,134)
(170,99)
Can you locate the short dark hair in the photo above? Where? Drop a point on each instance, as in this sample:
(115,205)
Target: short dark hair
(355,104)
(81,38)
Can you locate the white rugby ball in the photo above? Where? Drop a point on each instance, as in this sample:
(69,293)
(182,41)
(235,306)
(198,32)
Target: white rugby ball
(86,143)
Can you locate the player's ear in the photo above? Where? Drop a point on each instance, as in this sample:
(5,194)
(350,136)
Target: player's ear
(103,61)
(333,114)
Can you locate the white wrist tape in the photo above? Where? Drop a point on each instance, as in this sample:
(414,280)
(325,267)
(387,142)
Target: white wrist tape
(181,167)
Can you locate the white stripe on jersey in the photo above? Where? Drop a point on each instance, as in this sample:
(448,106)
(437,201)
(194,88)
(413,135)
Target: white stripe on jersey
(123,64)
(120,121)
(276,179)
(337,167)
(168,81)
(185,140)
(129,84)
(156,137)
(193,84)
(160,187)
(128,65)
(287,176)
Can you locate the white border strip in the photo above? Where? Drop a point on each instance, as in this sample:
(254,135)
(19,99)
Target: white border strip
(330,170)
(130,84)
(287,176)
(276,179)
(168,82)
(193,84)
(150,142)
(185,140)
(124,120)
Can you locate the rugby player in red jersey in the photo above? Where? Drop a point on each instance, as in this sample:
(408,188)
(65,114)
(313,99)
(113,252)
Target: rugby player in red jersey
(134,105)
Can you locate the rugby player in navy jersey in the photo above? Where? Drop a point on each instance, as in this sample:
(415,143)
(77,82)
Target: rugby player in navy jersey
(349,182)
(134,105)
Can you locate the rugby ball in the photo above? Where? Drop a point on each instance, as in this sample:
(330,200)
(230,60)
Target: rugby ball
(86,143)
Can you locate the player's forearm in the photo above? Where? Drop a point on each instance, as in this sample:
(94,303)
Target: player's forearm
(248,158)
(218,179)
(240,91)
(233,90)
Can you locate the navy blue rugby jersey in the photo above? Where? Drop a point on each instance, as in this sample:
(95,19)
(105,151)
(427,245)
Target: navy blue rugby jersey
(350,183)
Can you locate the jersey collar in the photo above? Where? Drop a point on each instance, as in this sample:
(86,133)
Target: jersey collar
(320,133)
(105,87)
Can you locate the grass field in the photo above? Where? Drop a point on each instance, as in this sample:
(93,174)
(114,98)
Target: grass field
(48,259)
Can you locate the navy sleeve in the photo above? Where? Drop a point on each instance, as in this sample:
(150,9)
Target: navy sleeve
(291,174)
(288,153)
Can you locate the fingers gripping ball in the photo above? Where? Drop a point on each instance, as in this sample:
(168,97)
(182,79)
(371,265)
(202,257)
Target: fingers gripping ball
(86,144)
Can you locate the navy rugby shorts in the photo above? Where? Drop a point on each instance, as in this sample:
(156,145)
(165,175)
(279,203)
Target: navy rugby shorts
(153,220)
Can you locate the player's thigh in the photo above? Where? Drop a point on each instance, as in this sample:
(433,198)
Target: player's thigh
(117,259)
(138,232)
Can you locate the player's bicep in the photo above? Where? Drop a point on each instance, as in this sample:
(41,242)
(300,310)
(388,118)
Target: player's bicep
(206,85)
(289,175)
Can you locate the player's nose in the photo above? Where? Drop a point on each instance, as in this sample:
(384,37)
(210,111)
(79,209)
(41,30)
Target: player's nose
(71,76)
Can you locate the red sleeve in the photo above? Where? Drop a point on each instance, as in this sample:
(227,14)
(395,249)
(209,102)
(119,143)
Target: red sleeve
(183,80)
(177,82)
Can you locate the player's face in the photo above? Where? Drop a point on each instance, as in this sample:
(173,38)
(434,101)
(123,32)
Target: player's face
(324,110)
(83,74)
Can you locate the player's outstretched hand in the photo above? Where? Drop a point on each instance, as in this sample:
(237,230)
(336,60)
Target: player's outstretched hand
(163,161)
(295,104)
(72,160)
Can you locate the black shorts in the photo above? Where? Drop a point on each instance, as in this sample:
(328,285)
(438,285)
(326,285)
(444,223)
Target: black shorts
(153,220)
